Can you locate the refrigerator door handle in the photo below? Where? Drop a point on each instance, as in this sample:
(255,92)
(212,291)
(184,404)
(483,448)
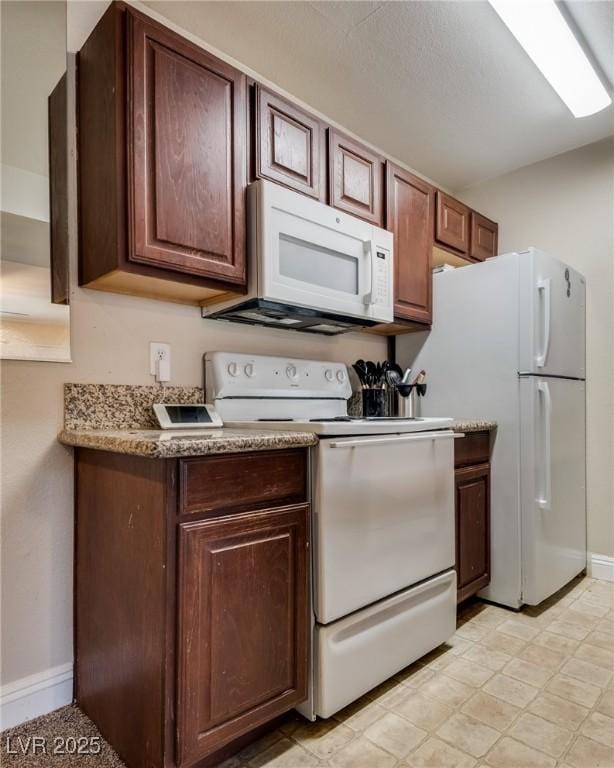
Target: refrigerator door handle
(545,500)
(544,290)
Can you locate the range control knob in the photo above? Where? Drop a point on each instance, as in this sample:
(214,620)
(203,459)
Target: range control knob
(329,374)
(341,376)
(291,371)
(233,369)
(249,370)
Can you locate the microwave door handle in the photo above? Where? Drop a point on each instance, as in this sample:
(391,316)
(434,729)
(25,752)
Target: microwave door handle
(369,248)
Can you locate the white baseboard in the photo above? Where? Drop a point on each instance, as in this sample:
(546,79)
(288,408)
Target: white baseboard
(601,567)
(35,695)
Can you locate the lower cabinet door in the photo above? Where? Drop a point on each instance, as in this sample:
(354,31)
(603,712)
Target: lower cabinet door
(243,627)
(472,529)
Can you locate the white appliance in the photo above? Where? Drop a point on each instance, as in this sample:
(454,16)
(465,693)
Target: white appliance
(508,343)
(311,267)
(382,501)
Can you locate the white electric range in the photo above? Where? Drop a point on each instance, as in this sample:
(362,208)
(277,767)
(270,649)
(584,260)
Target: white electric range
(382,501)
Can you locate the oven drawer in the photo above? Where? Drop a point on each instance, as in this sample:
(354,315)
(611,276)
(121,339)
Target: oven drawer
(383,517)
(357,653)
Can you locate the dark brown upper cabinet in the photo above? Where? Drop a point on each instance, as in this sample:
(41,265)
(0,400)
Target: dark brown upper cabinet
(162,161)
(355,178)
(409,215)
(484,235)
(452,223)
(289,145)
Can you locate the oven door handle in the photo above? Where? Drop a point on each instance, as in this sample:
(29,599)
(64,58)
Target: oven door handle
(394,439)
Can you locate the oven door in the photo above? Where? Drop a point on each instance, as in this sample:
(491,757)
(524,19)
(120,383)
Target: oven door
(383,517)
(314,256)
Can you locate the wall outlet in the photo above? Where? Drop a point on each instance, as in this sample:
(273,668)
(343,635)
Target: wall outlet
(160,361)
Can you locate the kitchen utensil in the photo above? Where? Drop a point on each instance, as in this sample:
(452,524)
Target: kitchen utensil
(419,378)
(361,372)
(393,378)
(406,375)
(371,373)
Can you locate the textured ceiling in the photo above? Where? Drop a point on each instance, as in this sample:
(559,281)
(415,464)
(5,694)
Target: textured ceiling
(443,86)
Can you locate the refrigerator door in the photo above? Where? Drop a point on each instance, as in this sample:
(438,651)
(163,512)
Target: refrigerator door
(553,484)
(551,317)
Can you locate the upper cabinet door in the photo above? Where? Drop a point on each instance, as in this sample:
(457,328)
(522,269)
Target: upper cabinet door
(355,178)
(289,145)
(410,204)
(452,227)
(186,155)
(484,235)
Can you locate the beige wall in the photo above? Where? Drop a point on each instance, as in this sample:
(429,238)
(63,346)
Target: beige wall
(565,205)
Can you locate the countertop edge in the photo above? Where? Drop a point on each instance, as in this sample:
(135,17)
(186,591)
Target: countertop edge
(149,447)
(474,425)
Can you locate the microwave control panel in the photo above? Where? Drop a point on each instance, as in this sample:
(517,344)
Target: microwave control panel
(381,288)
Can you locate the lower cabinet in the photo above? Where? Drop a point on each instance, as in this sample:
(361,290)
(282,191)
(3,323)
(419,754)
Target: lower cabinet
(472,483)
(243,625)
(192,615)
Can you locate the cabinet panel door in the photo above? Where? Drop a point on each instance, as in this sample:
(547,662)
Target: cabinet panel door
(409,215)
(452,227)
(243,625)
(355,178)
(472,529)
(186,148)
(289,145)
(484,235)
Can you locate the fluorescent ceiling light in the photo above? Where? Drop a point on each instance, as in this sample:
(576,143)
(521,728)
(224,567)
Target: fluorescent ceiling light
(541,30)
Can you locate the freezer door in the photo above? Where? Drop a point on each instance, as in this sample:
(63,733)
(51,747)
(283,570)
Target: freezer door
(553,484)
(551,317)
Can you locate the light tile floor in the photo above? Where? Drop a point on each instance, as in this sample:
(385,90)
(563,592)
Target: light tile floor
(533,689)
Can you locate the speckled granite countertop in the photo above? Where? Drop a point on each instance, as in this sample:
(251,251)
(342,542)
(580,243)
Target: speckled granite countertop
(168,444)
(120,418)
(473,425)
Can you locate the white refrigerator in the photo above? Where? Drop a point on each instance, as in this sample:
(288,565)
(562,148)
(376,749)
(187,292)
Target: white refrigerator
(508,343)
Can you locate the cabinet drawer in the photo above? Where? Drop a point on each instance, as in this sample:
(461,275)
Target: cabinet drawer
(474,448)
(242,480)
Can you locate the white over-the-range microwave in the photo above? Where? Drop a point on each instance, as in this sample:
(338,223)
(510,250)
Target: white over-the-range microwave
(310,267)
